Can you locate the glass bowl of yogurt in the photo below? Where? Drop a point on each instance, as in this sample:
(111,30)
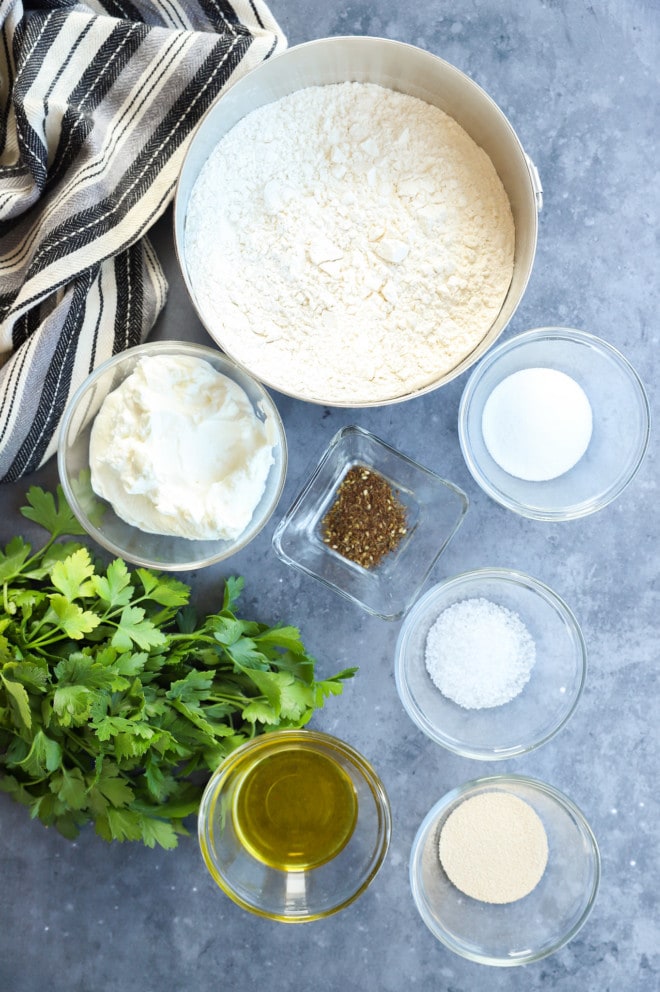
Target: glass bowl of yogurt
(554,423)
(171,457)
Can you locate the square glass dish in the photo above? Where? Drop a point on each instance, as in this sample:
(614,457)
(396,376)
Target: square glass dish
(434,509)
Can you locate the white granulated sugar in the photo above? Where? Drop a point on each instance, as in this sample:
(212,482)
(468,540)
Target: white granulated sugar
(479,654)
(537,424)
(349,242)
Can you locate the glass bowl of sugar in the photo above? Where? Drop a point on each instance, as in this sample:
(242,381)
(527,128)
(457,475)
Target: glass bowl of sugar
(554,423)
(490,663)
(504,870)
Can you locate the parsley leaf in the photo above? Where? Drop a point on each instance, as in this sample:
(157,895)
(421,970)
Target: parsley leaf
(114,588)
(133,628)
(71,576)
(55,517)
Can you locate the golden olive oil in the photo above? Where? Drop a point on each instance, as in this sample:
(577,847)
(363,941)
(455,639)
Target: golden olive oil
(295,808)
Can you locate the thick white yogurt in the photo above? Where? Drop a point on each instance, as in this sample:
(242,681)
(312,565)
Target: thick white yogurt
(177,449)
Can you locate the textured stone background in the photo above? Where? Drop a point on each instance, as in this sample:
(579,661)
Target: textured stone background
(579,82)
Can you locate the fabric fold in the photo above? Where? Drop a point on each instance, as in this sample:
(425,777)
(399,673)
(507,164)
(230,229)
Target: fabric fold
(98,102)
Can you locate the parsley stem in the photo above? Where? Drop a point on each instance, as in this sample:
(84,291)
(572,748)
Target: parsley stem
(38,555)
(5,601)
(195,638)
(41,642)
(226,697)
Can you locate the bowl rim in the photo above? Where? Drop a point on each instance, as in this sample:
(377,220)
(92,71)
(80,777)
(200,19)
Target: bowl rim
(263,742)
(512,577)
(533,191)
(507,782)
(498,351)
(229,367)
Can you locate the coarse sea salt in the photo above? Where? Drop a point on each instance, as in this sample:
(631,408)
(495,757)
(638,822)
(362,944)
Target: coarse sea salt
(479,654)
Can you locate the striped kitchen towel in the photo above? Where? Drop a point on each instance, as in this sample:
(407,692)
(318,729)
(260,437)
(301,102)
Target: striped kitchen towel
(97,103)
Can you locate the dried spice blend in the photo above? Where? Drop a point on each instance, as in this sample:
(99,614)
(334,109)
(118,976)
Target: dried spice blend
(366,521)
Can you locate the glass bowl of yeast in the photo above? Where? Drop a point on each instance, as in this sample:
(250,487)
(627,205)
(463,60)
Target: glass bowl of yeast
(504,870)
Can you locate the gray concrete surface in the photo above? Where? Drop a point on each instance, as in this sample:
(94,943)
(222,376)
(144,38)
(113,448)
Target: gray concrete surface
(579,82)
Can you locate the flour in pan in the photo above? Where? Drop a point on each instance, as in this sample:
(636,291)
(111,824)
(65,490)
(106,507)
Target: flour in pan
(348,243)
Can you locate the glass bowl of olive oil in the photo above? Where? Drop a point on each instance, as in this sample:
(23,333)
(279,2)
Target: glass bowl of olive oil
(294,825)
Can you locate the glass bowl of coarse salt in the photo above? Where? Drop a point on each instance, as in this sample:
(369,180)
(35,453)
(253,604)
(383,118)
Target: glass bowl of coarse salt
(554,423)
(171,457)
(504,870)
(490,663)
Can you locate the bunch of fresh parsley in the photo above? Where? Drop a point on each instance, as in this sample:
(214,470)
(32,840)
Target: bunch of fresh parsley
(112,695)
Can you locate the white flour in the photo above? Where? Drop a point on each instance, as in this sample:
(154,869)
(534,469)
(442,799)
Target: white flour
(348,242)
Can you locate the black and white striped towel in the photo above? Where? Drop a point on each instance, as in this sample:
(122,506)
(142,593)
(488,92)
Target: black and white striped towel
(97,103)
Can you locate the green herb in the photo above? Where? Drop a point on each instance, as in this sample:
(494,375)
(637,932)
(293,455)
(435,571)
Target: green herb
(115,702)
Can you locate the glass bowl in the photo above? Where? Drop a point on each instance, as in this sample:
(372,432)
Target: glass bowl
(434,510)
(294,825)
(530,928)
(543,705)
(157,551)
(621,423)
